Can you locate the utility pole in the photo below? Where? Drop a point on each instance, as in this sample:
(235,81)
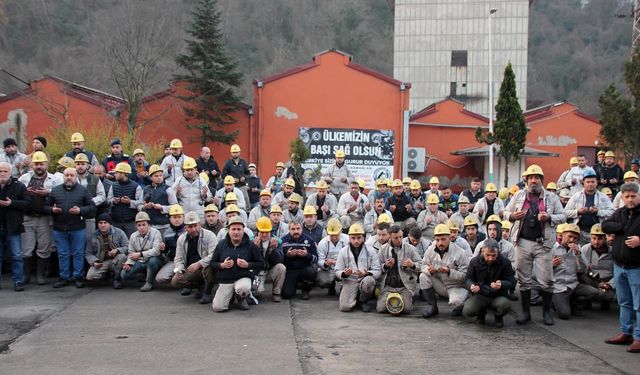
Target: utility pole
(635,37)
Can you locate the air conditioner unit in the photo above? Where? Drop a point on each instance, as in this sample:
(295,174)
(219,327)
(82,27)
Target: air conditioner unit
(415,159)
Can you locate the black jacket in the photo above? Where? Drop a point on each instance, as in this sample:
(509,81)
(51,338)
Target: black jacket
(297,263)
(624,223)
(401,213)
(483,274)
(11,216)
(247,250)
(236,170)
(209,166)
(65,198)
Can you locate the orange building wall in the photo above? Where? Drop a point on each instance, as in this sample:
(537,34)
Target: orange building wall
(326,94)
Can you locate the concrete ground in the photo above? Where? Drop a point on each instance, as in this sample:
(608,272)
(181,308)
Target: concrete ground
(98,330)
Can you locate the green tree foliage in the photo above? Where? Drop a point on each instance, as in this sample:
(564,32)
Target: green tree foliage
(509,130)
(211,75)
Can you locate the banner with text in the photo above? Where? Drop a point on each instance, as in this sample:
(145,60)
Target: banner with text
(369,153)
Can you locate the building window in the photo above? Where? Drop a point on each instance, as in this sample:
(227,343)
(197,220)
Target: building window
(458,58)
(453,89)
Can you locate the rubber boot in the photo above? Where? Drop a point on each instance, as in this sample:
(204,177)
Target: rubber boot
(364,304)
(432,309)
(149,281)
(26,270)
(41,267)
(117,278)
(547,299)
(498,321)
(525,299)
(243,304)
(207,296)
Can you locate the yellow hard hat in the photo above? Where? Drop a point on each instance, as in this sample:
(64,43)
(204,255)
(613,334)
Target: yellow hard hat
(394,303)
(396,183)
(154,168)
(176,209)
(232,208)
(441,229)
(81,158)
(494,219)
(138,151)
(275,209)
(230,197)
(309,210)
(504,193)
(470,220)
(229,180)
(606,191)
(290,182)
(211,208)
(506,224)
(356,229)
(41,157)
(175,143)
(601,152)
(280,165)
(574,161)
(203,175)
(334,226)
(407,180)
(533,169)
(389,181)
(628,174)
(596,229)
(340,153)
(415,184)
(433,199)
(123,167)
(434,180)
(552,186)
(560,228)
(264,224)
(265,192)
(189,163)
(66,162)
(384,218)
(514,189)
(361,183)
(571,228)
(322,184)
(491,188)
(235,148)
(77,137)
(295,198)
(609,154)
(142,216)
(381,181)
(453,225)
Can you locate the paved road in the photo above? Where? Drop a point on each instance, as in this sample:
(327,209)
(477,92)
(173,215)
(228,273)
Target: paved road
(102,331)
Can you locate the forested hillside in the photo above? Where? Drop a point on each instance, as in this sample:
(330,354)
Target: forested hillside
(576,48)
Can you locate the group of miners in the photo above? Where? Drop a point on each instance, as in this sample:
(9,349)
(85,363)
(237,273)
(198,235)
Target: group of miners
(221,235)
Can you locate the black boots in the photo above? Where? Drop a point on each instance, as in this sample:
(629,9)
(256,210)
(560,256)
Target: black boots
(26,270)
(525,298)
(547,317)
(41,268)
(498,321)
(432,309)
(206,293)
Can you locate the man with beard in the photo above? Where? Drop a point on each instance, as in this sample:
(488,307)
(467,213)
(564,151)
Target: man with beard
(401,208)
(125,197)
(70,204)
(296,172)
(140,168)
(273,258)
(325,204)
(13,201)
(351,206)
(229,186)
(169,244)
(328,250)
(300,258)
(99,172)
(293,210)
(143,255)
(77,144)
(238,168)
(471,233)
(282,198)
(158,197)
(358,266)
(37,226)
(488,205)
(191,190)
(310,225)
(116,157)
(235,261)
(193,255)
(93,184)
(448,201)
(400,271)
(431,217)
(474,192)
(457,239)
(212,220)
(489,278)
(12,156)
(231,200)
(279,227)
(444,268)
(382,233)
(207,164)
(573,179)
(534,213)
(371,217)
(589,206)
(597,270)
(494,232)
(416,240)
(172,163)
(261,210)
(275,182)
(611,175)
(105,251)
(338,176)
(38,143)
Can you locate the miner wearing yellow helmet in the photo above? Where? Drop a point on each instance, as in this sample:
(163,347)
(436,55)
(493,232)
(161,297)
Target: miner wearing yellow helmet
(573,179)
(126,198)
(238,168)
(328,249)
(371,217)
(338,175)
(352,206)
(430,217)
(400,206)
(610,174)
(310,225)
(229,186)
(192,190)
(597,257)
(282,198)
(271,248)
(170,240)
(172,163)
(562,183)
(324,203)
(157,199)
(488,205)
(534,213)
(275,182)
(77,144)
(260,210)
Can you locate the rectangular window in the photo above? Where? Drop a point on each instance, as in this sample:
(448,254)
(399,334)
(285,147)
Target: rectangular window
(458,58)
(453,89)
